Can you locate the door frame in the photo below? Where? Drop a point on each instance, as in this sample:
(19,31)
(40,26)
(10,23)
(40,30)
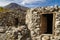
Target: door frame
(54,19)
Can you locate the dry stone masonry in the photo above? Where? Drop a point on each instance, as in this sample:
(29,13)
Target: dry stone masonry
(41,23)
(33,20)
(13,27)
(36,21)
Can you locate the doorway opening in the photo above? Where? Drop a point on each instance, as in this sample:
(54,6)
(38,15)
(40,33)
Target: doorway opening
(47,23)
(16,22)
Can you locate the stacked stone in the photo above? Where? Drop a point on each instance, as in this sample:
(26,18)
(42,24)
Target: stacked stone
(57,27)
(46,37)
(21,19)
(33,21)
(8,21)
(8,18)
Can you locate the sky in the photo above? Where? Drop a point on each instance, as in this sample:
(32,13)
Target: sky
(31,3)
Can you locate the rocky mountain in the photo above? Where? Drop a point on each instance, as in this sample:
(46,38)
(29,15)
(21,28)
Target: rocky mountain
(14,6)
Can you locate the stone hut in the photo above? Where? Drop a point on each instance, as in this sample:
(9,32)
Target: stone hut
(44,23)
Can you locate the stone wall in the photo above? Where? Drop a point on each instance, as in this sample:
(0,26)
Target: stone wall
(13,27)
(33,20)
(57,27)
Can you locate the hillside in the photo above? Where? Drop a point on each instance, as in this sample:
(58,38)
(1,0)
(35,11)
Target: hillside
(14,6)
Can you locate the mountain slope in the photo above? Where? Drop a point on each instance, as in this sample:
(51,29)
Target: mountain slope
(14,6)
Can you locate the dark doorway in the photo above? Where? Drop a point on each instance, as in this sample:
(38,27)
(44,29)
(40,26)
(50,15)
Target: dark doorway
(47,23)
(16,22)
